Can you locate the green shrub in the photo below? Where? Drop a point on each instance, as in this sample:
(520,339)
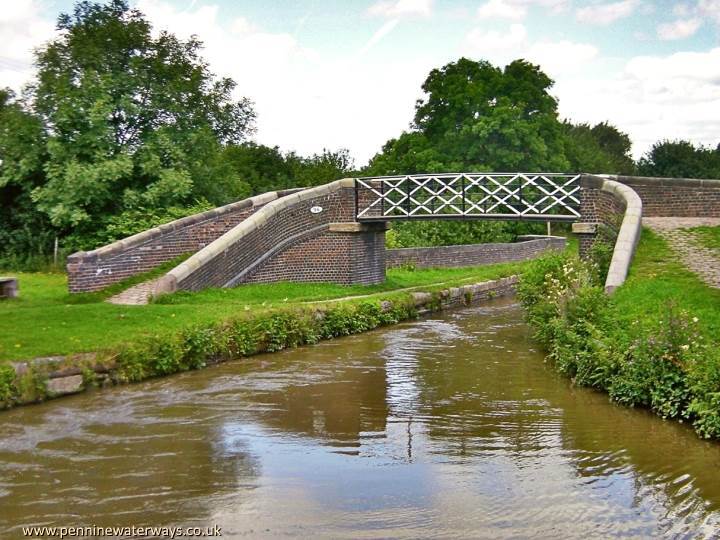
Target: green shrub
(600,253)
(202,343)
(704,378)
(665,363)
(8,391)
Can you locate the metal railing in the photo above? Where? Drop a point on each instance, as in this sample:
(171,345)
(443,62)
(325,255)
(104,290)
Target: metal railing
(511,196)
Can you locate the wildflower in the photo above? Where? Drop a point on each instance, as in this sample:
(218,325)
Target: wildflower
(695,319)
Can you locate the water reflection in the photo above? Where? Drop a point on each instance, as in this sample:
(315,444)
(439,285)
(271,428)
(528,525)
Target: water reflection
(446,427)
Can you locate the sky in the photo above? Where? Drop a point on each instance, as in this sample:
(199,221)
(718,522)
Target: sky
(327,74)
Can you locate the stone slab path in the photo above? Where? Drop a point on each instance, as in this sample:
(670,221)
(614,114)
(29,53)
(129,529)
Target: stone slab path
(137,295)
(701,260)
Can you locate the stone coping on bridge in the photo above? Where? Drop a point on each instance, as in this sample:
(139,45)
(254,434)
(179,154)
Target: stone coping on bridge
(172,281)
(630,228)
(656,181)
(156,232)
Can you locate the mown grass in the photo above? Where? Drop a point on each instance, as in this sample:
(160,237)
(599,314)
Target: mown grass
(45,320)
(657,277)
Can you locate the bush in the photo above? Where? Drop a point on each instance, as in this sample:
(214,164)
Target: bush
(194,347)
(7,384)
(665,364)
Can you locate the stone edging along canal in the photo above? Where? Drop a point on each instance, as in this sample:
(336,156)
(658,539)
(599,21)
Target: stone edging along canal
(51,377)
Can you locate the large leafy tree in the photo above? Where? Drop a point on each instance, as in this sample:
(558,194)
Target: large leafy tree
(266,168)
(476,116)
(680,159)
(134,122)
(25,233)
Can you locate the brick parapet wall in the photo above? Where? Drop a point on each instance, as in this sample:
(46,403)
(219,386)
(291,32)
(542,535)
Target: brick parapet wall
(286,240)
(95,270)
(678,197)
(473,254)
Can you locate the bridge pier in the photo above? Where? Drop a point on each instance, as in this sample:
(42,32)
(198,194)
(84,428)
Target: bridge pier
(349,253)
(586,234)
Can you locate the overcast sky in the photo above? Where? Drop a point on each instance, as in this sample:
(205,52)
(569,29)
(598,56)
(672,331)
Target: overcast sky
(329,74)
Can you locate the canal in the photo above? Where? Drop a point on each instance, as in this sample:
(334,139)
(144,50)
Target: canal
(452,426)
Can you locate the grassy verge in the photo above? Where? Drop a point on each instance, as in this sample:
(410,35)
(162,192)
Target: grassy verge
(46,320)
(654,343)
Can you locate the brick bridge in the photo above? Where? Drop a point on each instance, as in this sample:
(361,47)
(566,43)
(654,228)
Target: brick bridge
(336,232)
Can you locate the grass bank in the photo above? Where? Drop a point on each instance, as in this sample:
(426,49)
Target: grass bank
(45,320)
(654,343)
(100,343)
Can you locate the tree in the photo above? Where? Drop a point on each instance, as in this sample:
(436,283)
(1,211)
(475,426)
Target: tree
(476,117)
(266,168)
(25,234)
(601,148)
(320,168)
(263,168)
(134,122)
(680,159)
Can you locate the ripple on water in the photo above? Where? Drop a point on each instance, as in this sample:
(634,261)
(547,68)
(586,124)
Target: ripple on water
(452,426)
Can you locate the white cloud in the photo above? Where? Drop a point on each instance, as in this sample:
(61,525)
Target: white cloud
(700,66)
(502,9)
(401,8)
(680,29)
(681,10)
(303,99)
(555,6)
(561,57)
(709,9)
(603,14)
(487,42)
(652,98)
(23,27)
(554,57)
(381,32)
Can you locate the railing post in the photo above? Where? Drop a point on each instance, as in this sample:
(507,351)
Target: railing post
(382,198)
(433,194)
(407,197)
(357,186)
(462,191)
(520,198)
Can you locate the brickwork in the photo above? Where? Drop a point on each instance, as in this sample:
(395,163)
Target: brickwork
(614,210)
(95,270)
(675,197)
(288,241)
(599,207)
(338,257)
(473,254)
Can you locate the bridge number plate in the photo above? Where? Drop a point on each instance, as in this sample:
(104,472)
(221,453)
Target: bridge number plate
(316,209)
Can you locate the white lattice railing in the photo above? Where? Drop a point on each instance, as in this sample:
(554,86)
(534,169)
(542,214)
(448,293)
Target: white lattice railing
(456,195)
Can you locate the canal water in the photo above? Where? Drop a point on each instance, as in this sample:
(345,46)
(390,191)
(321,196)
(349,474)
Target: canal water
(447,427)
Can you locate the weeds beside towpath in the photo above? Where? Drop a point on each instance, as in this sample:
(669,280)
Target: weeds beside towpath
(654,343)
